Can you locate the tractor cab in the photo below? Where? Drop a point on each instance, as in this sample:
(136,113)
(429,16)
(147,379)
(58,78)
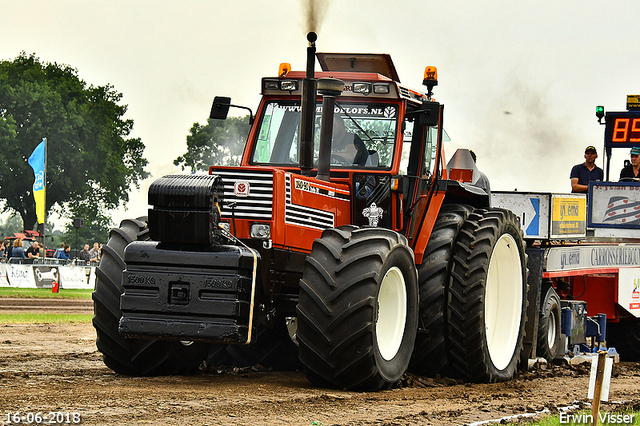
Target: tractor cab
(375,147)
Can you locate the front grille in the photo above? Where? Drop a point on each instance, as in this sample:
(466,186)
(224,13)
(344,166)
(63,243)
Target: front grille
(305,216)
(257,205)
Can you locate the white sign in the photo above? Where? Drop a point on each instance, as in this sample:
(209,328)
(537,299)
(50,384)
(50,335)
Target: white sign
(73,277)
(532,209)
(20,276)
(4,282)
(629,290)
(593,257)
(606,379)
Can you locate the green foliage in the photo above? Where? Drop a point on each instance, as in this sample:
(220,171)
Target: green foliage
(97,222)
(12,224)
(220,142)
(35,318)
(88,155)
(45,293)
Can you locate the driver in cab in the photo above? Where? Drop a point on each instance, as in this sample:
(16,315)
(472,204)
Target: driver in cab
(347,148)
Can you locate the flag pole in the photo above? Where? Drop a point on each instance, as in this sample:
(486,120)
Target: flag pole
(44,240)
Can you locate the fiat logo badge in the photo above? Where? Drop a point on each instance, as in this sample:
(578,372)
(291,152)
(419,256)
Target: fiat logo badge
(241,188)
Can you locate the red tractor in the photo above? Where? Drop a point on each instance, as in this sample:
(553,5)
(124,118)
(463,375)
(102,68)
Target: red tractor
(340,241)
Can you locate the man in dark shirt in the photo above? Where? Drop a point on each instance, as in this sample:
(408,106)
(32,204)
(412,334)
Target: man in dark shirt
(33,252)
(632,170)
(583,173)
(84,254)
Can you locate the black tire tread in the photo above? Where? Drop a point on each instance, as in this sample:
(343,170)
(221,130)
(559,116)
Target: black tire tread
(467,351)
(550,301)
(430,353)
(336,307)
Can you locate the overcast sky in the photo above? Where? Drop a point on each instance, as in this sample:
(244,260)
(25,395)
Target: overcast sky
(520,80)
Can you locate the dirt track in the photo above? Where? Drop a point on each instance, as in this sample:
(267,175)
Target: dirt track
(57,368)
(58,306)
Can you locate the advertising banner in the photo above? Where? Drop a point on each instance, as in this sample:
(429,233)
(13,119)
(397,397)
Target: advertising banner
(615,204)
(45,275)
(629,290)
(4,281)
(74,277)
(569,215)
(20,276)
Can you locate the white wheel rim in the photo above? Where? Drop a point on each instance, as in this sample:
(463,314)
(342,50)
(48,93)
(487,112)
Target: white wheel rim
(503,301)
(551,329)
(392,313)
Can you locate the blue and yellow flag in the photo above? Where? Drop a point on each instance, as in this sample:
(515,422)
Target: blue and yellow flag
(36,161)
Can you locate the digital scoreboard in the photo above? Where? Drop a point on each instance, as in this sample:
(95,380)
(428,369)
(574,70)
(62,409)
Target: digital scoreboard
(622,129)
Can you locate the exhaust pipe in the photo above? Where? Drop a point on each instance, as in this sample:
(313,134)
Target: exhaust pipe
(307,116)
(329,88)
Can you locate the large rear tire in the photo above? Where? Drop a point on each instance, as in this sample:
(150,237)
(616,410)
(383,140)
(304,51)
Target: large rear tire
(134,357)
(430,355)
(549,325)
(487,297)
(358,309)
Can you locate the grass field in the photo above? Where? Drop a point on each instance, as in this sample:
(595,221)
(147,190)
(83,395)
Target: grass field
(44,293)
(43,318)
(36,318)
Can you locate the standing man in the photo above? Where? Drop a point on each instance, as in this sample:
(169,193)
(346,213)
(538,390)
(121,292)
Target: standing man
(632,171)
(582,174)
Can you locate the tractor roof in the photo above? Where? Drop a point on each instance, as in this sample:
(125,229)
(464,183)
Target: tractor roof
(379,63)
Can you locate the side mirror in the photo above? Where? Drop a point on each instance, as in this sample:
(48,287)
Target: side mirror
(429,114)
(220,108)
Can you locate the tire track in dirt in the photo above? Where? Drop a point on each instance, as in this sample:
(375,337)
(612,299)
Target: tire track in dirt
(56,306)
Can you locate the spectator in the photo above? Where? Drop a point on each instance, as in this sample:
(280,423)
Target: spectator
(84,254)
(59,250)
(583,173)
(17,250)
(66,253)
(631,171)
(33,252)
(94,253)
(7,249)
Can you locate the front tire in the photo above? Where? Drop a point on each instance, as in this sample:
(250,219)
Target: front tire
(358,309)
(133,357)
(487,297)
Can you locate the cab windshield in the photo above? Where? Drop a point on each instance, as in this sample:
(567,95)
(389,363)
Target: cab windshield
(364,134)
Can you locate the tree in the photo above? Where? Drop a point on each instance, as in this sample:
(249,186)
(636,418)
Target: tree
(11,225)
(94,230)
(89,153)
(220,142)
